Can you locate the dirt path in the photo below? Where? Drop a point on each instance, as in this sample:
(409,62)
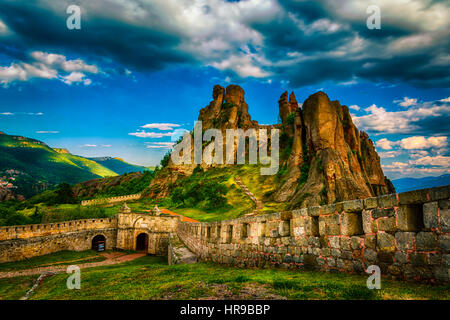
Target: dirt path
(111,259)
(258,203)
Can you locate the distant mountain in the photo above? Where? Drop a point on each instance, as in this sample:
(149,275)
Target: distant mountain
(29,166)
(408,184)
(118,165)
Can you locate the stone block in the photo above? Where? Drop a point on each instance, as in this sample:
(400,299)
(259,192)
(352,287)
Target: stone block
(345,243)
(370,203)
(430,215)
(314,211)
(405,240)
(367,221)
(351,224)
(410,218)
(334,242)
(385,241)
(383,212)
(418,259)
(413,197)
(353,206)
(401,257)
(426,241)
(387,200)
(284,228)
(387,224)
(439,193)
(445,219)
(356,242)
(444,243)
(370,255)
(335,253)
(370,241)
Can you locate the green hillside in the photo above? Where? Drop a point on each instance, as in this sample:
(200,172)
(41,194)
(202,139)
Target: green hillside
(118,165)
(37,167)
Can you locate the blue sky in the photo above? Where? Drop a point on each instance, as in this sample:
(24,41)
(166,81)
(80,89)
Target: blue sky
(136,63)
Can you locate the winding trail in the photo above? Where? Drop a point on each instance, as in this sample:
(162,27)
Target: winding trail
(258,203)
(111,259)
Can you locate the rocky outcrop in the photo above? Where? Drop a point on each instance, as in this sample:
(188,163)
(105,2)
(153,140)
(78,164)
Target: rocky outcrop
(326,158)
(341,163)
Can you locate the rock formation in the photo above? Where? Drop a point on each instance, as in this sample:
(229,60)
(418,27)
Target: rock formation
(327,159)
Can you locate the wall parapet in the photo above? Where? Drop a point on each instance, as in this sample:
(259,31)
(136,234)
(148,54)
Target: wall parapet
(407,235)
(40,230)
(111,199)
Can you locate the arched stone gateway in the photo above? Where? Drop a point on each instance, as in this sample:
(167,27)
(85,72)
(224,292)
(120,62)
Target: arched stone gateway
(99,243)
(142,242)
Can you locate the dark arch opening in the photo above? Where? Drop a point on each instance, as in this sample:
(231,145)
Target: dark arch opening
(142,242)
(99,243)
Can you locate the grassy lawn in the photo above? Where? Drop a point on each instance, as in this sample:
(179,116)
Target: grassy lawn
(151,278)
(58,258)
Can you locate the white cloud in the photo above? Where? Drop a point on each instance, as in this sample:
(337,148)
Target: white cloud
(355,107)
(76,77)
(47,66)
(44,131)
(22,113)
(445,100)
(3,28)
(160,145)
(89,145)
(437,161)
(408,121)
(145,134)
(161,126)
(406,102)
(384,144)
(420,142)
(389,154)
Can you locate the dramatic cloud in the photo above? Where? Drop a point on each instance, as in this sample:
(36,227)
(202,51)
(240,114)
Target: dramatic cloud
(426,117)
(303,42)
(47,66)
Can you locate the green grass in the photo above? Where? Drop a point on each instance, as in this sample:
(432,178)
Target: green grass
(15,288)
(58,258)
(151,278)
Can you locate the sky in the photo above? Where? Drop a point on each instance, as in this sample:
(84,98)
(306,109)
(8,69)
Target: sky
(136,73)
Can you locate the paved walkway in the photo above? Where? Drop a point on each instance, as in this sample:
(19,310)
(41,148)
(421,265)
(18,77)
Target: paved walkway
(111,259)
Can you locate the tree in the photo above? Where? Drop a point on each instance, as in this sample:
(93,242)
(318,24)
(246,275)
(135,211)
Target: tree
(65,194)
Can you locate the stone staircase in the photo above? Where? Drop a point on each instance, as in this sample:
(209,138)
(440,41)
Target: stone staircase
(258,203)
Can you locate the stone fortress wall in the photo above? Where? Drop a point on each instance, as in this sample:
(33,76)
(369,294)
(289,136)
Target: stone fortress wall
(121,232)
(407,235)
(111,199)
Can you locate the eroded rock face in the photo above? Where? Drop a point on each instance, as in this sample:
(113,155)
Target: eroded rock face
(342,163)
(329,160)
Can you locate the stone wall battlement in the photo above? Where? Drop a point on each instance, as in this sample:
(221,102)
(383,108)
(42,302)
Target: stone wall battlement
(111,199)
(39,230)
(407,235)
